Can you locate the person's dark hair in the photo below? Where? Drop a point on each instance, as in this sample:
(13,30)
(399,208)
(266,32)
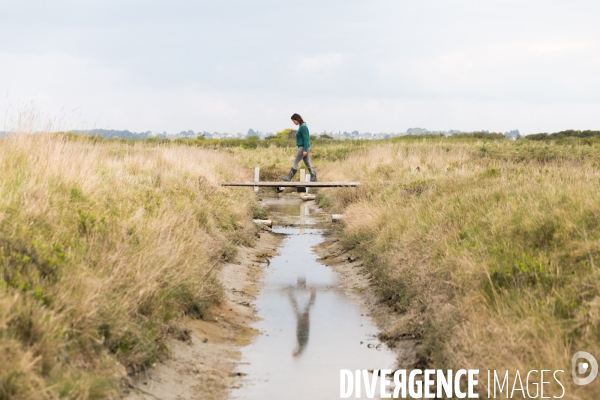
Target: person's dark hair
(297,117)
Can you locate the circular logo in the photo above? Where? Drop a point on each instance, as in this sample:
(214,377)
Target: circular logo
(582,367)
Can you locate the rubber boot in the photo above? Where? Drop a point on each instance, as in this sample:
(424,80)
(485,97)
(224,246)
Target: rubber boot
(290,175)
(313,174)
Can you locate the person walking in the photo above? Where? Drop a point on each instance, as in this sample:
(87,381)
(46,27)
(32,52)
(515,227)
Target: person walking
(303,143)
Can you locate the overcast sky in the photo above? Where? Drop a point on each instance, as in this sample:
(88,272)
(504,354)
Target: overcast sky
(376,65)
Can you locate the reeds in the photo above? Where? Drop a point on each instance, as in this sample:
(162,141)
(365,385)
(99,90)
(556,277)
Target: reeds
(104,246)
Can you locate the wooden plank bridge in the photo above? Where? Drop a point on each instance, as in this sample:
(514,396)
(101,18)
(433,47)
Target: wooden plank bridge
(301,187)
(293,184)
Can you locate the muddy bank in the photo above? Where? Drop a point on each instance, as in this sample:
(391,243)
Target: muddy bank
(205,354)
(356,282)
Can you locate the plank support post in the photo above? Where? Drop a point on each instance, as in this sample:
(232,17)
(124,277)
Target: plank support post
(302,189)
(256,178)
(307,179)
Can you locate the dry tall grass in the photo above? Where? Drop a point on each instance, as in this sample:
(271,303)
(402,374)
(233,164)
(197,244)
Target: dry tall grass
(489,249)
(103,246)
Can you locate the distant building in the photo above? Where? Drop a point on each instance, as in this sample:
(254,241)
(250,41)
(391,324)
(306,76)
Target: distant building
(251,132)
(515,134)
(417,131)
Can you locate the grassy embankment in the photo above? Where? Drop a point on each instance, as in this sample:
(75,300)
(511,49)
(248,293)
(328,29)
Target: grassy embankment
(104,246)
(490,250)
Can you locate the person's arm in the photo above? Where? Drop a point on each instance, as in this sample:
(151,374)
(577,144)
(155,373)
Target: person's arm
(305,137)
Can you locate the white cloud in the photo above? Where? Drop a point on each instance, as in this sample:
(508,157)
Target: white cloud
(318,63)
(54,76)
(378,66)
(542,72)
(89,95)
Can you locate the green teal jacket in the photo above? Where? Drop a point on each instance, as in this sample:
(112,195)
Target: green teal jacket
(303,137)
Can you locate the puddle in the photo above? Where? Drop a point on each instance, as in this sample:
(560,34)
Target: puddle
(309,328)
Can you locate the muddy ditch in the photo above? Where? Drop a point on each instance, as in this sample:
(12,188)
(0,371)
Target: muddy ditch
(317,314)
(298,309)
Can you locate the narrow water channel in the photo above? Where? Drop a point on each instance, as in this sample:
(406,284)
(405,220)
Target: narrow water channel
(309,328)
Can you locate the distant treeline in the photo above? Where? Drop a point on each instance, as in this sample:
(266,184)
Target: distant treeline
(110,134)
(563,134)
(471,135)
(251,142)
(282,139)
(556,136)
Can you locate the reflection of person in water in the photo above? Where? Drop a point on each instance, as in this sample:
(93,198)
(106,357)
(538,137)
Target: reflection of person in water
(303,318)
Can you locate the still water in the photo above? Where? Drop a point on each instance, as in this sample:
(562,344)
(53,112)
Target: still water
(309,328)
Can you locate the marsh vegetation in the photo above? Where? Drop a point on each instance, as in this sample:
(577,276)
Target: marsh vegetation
(487,247)
(104,248)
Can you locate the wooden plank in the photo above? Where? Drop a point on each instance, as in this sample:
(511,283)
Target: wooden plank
(266,222)
(292,184)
